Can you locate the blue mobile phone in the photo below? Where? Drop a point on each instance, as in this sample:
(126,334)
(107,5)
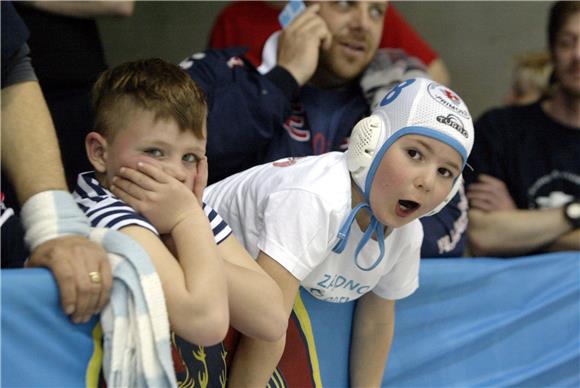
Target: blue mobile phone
(290,11)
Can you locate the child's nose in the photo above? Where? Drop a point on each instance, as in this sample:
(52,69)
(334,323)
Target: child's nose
(424,181)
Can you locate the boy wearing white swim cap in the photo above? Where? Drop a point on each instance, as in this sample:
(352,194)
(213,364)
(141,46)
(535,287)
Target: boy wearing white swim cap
(297,218)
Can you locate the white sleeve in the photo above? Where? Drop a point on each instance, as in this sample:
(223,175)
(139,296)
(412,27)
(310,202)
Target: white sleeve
(403,279)
(295,230)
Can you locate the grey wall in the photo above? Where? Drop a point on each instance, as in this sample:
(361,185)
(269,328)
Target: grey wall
(477,40)
(172,30)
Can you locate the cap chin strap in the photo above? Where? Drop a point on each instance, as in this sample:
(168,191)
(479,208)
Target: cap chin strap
(374,226)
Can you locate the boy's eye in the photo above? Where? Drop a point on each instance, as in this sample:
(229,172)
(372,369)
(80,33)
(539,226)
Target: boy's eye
(445,173)
(189,158)
(154,152)
(414,154)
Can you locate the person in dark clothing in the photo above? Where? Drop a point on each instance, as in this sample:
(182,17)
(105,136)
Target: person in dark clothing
(525,190)
(55,228)
(68,56)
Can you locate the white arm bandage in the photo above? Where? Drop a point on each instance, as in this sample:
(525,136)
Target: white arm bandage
(52,214)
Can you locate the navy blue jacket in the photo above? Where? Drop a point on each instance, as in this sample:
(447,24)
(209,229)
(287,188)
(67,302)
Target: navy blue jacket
(14,37)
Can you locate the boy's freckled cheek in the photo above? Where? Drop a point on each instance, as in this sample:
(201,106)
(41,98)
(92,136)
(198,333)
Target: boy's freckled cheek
(133,161)
(391,179)
(146,159)
(443,192)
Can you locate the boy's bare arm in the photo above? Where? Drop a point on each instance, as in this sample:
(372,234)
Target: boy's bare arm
(372,335)
(194,287)
(256,302)
(194,282)
(256,360)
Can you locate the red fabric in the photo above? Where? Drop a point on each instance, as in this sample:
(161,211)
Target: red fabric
(250,23)
(245,23)
(397,33)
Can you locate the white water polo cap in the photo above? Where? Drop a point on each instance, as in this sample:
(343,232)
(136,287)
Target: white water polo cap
(414,107)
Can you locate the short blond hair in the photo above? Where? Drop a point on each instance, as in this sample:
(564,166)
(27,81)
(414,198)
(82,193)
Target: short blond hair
(152,85)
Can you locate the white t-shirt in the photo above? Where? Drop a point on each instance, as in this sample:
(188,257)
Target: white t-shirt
(292,210)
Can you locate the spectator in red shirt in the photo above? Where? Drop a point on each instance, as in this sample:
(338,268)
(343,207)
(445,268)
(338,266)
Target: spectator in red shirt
(250,23)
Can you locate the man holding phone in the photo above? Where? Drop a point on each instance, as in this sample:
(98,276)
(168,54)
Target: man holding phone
(306,96)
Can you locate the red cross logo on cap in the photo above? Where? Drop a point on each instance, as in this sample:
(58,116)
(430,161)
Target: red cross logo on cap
(453,97)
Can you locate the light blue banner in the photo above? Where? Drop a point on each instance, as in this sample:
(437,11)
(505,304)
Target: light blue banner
(473,322)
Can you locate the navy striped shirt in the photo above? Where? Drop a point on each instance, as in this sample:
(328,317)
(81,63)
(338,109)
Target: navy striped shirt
(105,210)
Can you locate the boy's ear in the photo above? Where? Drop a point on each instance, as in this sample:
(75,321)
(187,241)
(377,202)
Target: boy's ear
(96,147)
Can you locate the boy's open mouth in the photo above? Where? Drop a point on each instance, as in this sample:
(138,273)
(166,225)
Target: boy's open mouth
(406,207)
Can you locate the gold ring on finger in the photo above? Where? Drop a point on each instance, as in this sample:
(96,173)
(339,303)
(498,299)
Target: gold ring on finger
(95,277)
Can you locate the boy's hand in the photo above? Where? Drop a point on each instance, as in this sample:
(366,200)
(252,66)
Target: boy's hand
(162,199)
(200,179)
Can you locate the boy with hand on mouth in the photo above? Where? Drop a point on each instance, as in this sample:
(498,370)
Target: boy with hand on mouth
(148,152)
(351,216)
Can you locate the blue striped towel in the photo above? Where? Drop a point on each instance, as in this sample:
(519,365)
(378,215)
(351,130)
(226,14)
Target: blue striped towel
(136,348)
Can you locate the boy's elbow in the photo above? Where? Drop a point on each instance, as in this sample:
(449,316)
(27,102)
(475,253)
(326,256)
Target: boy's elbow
(276,327)
(216,329)
(213,336)
(216,325)
(276,319)
(206,326)
(281,325)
